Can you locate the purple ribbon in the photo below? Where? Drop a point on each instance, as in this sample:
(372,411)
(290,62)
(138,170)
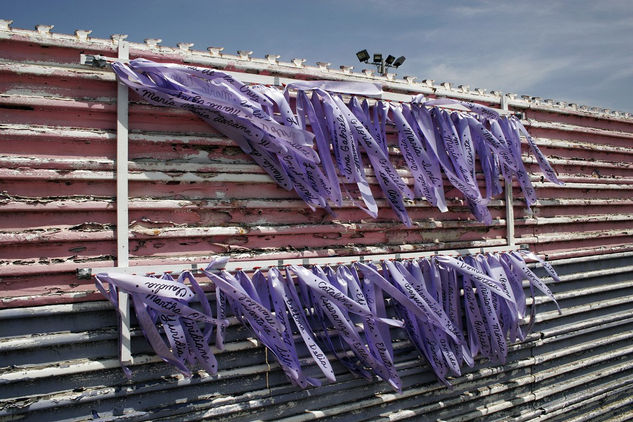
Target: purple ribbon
(518,261)
(546,168)
(291,299)
(263,123)
(304,105)
(415,157)
(165,301)
(490,315)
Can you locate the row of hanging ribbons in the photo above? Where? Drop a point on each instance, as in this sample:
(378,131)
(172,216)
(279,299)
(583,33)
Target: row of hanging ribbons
(433,141)
(452,310)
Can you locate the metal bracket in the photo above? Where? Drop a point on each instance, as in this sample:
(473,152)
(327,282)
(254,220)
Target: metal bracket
(93,60)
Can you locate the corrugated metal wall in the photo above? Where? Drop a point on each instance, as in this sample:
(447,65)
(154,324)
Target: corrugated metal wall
(194,194)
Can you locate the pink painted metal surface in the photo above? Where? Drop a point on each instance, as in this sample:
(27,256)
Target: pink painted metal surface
(193,193)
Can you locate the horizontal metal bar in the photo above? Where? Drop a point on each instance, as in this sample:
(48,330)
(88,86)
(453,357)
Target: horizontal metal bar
(251,265)
(100,61)
(18,129)
(579,183)
(567,237)
(105,232)
(575,145)
(159,170)
(53,311)
(140,231)
(605,257)
(21,204)
(566,127)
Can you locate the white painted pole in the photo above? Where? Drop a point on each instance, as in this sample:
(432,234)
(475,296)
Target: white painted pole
(326,260)
(508,194)
(122,205)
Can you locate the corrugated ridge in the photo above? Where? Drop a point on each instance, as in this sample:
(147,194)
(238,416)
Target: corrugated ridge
(195,194)
(199,166)
(595,329)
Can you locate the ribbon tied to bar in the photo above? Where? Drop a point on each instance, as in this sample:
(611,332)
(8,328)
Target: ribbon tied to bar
(453,310)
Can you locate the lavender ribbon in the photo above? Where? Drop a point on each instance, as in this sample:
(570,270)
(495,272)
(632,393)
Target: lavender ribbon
(166,301)
(343,312)
(417,159)
(263,123)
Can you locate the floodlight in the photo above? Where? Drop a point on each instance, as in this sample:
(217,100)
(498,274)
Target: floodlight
(381,64)
(363,56)
(399,61)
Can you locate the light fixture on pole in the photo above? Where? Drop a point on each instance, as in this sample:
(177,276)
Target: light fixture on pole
(363,56)
(381,63)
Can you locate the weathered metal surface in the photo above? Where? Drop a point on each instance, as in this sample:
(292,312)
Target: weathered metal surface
(194,194)
(58,162)
(573,361)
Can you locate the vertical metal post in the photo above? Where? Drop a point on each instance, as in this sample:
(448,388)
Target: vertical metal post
(122,204)
(508,195)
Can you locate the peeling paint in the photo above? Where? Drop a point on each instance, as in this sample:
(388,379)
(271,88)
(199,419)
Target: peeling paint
(194,193)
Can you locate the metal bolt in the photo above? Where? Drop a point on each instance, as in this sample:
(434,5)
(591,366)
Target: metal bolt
(347,69)
(118,37)
(5,24)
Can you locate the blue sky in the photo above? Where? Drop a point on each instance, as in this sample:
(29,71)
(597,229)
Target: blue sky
(577,51)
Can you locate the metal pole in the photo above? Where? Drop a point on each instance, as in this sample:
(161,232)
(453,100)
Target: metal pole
(508,194)
(122,204)
(268,263)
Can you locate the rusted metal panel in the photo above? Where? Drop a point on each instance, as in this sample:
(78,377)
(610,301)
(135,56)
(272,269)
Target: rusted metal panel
(571,361)
(194,194)
(58,150)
